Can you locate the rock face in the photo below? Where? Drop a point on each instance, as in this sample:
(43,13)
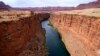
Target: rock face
(80,32)
(21,34)
(42,15)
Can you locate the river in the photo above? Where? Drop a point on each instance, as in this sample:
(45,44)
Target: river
(54,44)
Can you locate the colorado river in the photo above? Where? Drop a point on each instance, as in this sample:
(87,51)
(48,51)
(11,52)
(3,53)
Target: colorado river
(53,42)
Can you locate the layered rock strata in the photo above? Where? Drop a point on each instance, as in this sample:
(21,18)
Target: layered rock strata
(21,34)
(80,31)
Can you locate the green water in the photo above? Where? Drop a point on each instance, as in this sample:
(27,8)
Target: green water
(53,42)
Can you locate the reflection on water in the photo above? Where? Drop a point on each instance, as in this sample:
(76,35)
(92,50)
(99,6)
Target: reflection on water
(53,42)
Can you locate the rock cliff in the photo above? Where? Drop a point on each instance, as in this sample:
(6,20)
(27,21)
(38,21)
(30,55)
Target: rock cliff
(80,31)
(21,34)
(42,16)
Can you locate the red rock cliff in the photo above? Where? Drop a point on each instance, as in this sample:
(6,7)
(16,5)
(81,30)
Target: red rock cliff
(21,34)
(80,31)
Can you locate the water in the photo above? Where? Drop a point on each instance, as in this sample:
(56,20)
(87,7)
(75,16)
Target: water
(54,44)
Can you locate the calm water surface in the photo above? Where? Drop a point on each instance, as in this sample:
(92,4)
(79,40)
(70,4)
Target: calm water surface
(53,42)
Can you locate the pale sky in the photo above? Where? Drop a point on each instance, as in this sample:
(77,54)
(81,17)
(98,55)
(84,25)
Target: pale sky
(43,3)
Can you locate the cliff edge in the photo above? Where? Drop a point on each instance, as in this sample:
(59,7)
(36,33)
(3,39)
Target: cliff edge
(80,30)
(21,34)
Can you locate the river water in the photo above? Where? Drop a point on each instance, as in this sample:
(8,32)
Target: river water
(54,44)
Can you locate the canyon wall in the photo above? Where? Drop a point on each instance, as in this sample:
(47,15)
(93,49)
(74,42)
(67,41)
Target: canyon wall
(42,15)
(21,34)
(80,32)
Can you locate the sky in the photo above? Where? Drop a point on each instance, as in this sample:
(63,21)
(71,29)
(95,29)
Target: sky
(43,3)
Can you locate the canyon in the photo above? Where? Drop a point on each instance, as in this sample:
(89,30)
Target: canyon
(79,30)
(21,34)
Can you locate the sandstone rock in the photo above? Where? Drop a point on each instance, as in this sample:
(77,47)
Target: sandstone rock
(42,15)
(80,31)
(21,34)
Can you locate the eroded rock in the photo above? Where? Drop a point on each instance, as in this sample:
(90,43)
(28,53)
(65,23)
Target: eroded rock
(80,31)
(21,34)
